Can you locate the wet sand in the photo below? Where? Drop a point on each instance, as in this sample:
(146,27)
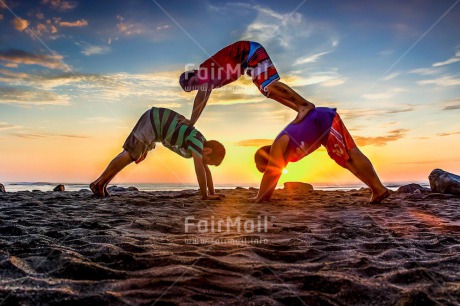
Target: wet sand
(320,247)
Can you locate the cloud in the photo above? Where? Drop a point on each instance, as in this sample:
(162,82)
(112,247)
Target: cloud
(333,82)
(361,140)
(17,57)
(444,81)
(400,110)
(166,105)
(46,27)
(93,50)
(155,88)
(269,32)
(99,119)
(454,59)
(271,28)
(20,24)
(44,135)
(452,105)
(160,87)
(328,79)
(448,134)
(129,28)
(241,92)
(391,76)
(61,5)
(1,17)
(71,136)
(254,143)
(383,95)
(78,23)
(163,27)
(9,95)
(386,52)
(11,74)
(7,126)
(310,59)
(365,113)
(380,141)
(424,71)
(27,135)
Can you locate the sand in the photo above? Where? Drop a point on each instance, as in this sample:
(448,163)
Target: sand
(320,247)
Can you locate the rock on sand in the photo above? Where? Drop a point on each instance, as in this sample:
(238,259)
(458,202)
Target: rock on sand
(59,187)
(2,188)
(297,186)
(411,188)
(444,182)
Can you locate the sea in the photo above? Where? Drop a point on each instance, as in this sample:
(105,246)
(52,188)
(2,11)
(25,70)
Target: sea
(49,186)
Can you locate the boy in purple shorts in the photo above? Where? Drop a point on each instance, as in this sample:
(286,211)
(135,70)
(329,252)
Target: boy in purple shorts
(228,65)
(322,126)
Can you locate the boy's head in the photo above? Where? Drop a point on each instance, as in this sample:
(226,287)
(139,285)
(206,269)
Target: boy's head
(261,158)
(188,80)
(213,152)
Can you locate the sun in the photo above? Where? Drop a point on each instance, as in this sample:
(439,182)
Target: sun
(285,171)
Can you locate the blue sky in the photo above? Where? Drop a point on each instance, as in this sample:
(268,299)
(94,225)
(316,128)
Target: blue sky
(81,72)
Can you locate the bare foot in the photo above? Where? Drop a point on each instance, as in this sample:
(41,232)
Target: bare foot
(97,190)
(375,199)
(303,111)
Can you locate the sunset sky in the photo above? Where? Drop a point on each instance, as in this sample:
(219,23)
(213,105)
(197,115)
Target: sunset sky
(75,76)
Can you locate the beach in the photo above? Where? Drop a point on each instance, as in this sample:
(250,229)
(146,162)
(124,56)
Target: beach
(171,247)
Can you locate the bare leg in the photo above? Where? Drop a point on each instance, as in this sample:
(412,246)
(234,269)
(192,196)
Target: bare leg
(362,168)
(99,186)
(289,97)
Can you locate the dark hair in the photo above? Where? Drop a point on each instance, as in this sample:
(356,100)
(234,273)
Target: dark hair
(184,79)
(218,151)
(261,158)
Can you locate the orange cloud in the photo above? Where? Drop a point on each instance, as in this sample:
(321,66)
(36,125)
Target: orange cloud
(7,126)
(45,28)
(16,96)
(128,28)
(447,134)
(20,24)
(78,23)
(380,141)
(452,105)
(16,57)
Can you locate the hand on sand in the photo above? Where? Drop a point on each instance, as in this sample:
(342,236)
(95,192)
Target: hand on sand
(303,111)
(212,197)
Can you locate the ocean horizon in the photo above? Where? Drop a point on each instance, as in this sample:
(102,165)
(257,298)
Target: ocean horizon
(49,186)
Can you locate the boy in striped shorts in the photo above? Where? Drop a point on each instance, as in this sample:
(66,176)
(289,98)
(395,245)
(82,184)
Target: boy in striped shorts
(322,126)
(163,125)
(228,65)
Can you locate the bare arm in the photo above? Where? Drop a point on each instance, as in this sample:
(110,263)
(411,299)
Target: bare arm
(199,103)
(201,176)
(274,169)
(209,181)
